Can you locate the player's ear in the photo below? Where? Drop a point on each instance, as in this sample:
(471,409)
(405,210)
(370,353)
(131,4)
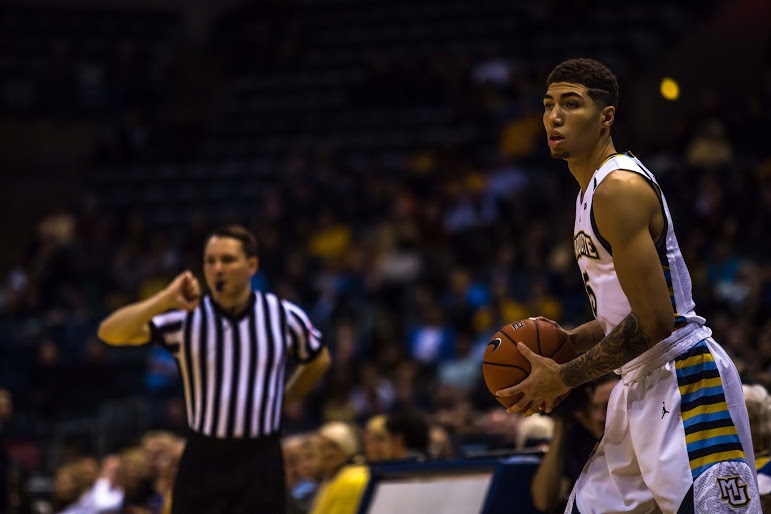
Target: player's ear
(608,114)
(254,264)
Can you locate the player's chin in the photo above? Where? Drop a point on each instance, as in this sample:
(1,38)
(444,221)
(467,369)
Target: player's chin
(560,154)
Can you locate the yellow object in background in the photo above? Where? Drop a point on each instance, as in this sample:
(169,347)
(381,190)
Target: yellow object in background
(670,89)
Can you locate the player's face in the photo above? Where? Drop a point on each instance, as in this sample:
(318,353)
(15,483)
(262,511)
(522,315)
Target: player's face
(572,120)
(226,267)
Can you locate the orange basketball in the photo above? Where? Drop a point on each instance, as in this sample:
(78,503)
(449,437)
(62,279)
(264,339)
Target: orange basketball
(504,366)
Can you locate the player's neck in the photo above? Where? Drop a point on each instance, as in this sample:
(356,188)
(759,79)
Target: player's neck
(583,167)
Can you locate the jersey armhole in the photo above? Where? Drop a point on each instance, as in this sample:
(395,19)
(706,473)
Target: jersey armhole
(661,242)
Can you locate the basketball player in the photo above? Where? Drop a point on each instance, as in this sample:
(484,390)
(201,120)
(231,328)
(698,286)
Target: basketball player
(231,346)
(677,436)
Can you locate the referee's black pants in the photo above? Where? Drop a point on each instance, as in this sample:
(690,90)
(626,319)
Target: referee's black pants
(235,476)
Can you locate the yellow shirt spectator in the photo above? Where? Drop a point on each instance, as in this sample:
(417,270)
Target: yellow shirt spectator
(342,494)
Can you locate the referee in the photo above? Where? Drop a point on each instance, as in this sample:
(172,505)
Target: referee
(231,347)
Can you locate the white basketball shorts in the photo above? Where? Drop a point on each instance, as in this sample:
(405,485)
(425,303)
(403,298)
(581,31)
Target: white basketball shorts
(677,436)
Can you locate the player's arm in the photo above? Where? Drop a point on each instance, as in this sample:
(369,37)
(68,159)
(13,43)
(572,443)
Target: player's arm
(585,336)
(306,376)
(130,325)
(625,205)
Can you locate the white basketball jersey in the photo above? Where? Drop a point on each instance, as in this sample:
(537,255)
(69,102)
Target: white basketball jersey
(595,258)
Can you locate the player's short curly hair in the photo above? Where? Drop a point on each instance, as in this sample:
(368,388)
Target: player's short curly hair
(595,76)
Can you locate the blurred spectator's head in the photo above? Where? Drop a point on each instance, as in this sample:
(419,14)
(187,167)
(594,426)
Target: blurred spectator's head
(502,425)
(134,475)
(603,386)
(67,487)
(759,409)
(408,434)
(308,464)
(6,406)
(157,445)
(72,480)
(440,445)
(338,445)
(290,448)
(535,432)
(48,353)
(396,436)
(376,439)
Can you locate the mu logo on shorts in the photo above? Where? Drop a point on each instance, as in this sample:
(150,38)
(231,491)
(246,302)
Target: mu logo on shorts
(733,490)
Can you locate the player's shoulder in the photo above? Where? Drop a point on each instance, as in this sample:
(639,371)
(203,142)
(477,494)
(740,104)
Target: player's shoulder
(624,199)
(623,184)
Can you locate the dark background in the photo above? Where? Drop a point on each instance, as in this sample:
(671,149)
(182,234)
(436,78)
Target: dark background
(390,157)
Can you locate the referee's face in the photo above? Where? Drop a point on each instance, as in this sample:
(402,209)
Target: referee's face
(228,270)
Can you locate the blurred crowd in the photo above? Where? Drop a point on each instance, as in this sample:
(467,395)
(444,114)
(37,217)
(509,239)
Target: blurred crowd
(326,468)
(407,271)
(407,275)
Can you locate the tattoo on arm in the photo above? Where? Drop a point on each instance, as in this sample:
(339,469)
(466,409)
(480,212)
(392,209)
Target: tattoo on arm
(587,336)
(624,343)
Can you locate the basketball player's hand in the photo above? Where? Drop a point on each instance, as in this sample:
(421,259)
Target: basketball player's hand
(540,389)
(557,326)
(182,293)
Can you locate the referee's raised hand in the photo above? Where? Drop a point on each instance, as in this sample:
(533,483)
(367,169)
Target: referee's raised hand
(184,292)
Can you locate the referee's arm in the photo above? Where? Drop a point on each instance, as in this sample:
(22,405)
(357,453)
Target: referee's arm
(130,325)
(306,376)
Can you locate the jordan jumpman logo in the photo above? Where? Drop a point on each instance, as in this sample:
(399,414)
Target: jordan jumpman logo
(663,410)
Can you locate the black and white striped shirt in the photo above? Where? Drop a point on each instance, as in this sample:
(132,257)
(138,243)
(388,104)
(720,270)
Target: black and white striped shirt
(232,369)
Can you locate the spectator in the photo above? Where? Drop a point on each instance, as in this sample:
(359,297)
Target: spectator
(499,429)
(601,391)
(78,490)
(375,439)
(6,412)
(397,436)
(344,479)
(440,445)
(301,464)
(759,409)
(710,147)
(162,450)
(535,433)
(578,424)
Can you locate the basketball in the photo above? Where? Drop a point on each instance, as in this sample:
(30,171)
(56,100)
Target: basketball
(503,366)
